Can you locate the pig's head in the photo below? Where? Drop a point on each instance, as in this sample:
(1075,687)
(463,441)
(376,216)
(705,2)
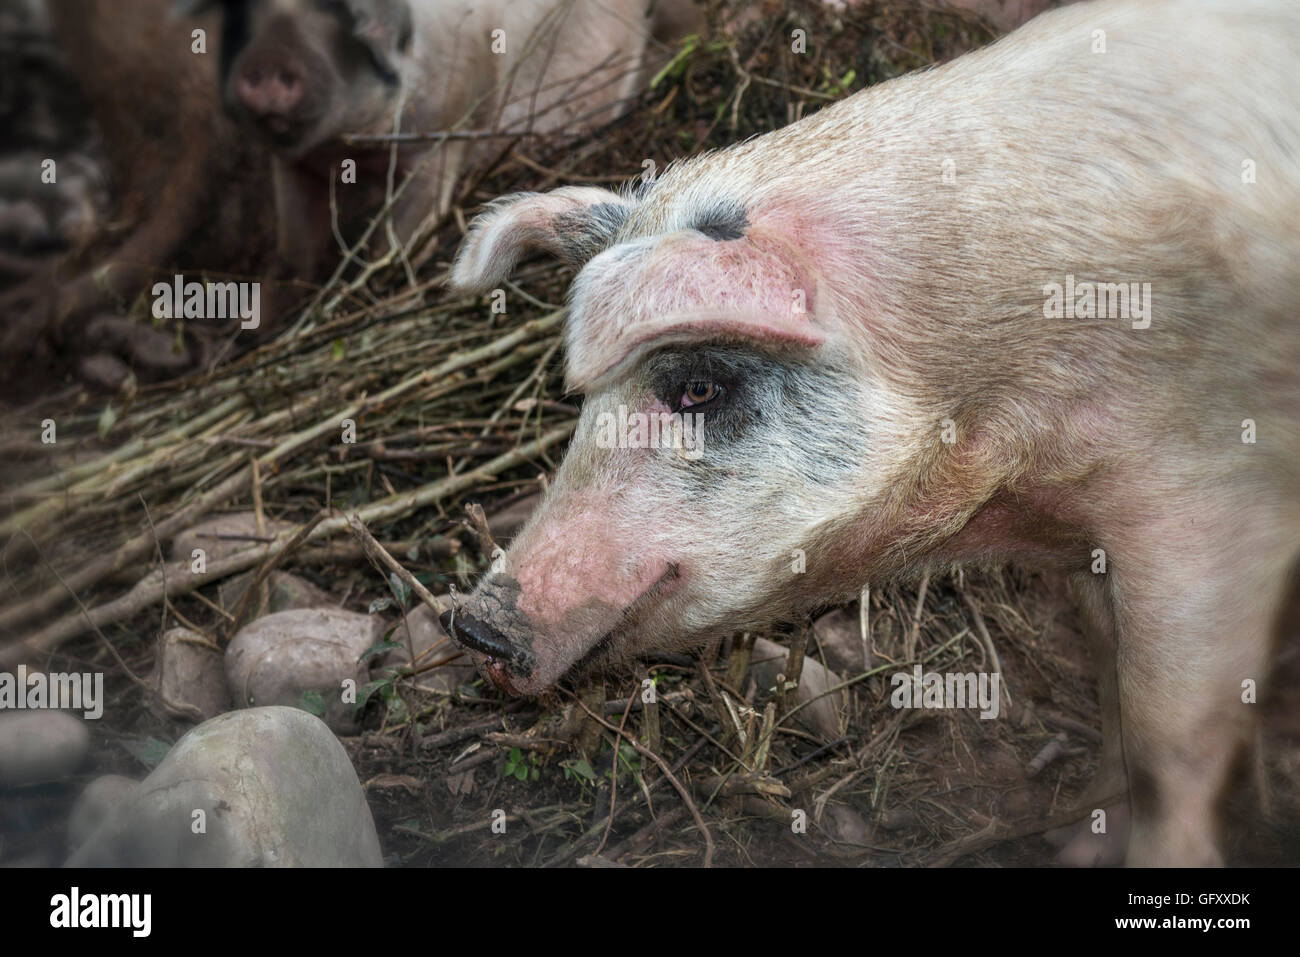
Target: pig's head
(719,471)
(300,72)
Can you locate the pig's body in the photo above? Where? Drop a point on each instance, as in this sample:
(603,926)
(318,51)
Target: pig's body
(921,409)
(303,75)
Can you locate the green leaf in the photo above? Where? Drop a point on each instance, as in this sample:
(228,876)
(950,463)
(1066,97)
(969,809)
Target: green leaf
(148,752)
(107,419)
(581,767)
(379,604)
(312,702)
(382,648)
(367,690)
(336,350)
(678,63)
(400,589)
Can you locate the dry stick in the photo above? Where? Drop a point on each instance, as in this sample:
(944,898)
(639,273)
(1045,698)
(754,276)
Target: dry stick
(915,631)
(181,710)
(988,642)
(599,827)
(672,779)
(380,556)
(478,521)
(339,553)
(181,581)
(269,564)
(136,548)
(794,668)
(654,826)
(259,580)
(613,779)
(131,551)
(65,479)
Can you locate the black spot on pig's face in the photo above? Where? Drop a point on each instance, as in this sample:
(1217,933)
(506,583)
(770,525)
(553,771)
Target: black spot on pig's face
(749,402)
(723,221)
(775,447)
(587,231)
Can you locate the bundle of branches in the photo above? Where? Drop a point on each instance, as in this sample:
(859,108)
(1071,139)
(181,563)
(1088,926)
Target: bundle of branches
(393,401)
(433,385)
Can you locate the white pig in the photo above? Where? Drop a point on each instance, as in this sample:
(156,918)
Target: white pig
(1037,304)
(303,73)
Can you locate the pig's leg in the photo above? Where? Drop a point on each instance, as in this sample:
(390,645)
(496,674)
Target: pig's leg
(302,215)
(1196,593)
(428,195)
(1082,847)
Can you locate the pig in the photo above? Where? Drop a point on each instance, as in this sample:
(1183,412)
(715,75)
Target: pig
(860,321)
(177,168)
(300,74)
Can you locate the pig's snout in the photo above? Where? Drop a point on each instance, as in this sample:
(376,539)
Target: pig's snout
(507,664)
(270,93)
(475,634)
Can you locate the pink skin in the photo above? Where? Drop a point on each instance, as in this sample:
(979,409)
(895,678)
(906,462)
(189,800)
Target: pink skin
(555,577)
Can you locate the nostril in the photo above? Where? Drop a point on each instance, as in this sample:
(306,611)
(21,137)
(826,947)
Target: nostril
(478,635)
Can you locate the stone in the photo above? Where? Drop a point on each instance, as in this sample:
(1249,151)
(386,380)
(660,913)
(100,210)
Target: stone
(265,787)
(189,670)
(280,658)
(94,805)
(37,747)
(825,716)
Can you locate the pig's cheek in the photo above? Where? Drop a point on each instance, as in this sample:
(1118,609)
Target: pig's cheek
(550,592)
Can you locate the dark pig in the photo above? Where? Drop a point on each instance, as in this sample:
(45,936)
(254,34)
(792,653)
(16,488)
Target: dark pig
(178,169)
(1037,304)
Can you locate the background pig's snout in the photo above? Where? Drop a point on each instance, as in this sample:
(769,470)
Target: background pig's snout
(269,92)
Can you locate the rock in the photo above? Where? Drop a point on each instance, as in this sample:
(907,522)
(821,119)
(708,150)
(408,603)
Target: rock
(40,746)
(286,591)
(152,351)
(94,805)
(23,225)
(823,716)
(266,787)
(204,535)
(279,658)
(189,670)
(840,636)
(425,633)
(103,371)
(846,825)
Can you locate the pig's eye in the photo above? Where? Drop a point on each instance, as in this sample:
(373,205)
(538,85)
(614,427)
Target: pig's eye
(697,395)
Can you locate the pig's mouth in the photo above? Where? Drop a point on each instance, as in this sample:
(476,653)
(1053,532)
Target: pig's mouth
(512,664)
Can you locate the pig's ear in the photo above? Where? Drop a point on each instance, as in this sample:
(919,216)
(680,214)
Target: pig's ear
(573,223)
(383,27)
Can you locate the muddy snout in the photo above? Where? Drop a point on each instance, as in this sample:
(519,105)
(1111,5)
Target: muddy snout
(501,654)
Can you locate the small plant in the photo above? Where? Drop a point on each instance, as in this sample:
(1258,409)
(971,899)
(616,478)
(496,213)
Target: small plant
(521,766)
(579,769)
